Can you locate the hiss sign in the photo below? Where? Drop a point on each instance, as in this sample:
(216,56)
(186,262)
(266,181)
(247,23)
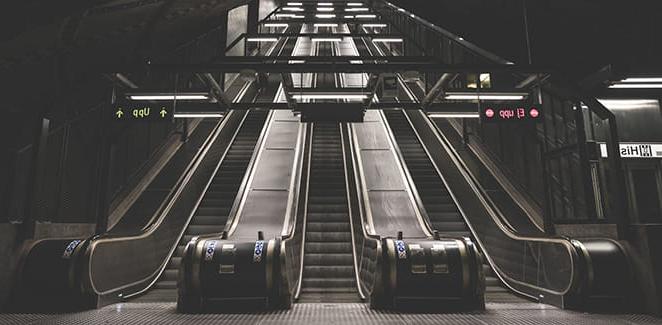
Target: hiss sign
(635,150)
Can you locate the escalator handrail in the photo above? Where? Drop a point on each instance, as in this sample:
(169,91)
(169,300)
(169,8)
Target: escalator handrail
(351,215)
(304,214)
(498,218)
(295,183)
(148,231)
(361,194)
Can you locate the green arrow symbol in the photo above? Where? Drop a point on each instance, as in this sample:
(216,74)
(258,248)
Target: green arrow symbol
(163,112)
(119,113)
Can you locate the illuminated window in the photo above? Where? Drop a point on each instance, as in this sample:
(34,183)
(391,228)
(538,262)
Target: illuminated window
(485,80)
(472,80)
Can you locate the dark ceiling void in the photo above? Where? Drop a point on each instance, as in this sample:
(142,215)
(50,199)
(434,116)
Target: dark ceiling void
(577,36)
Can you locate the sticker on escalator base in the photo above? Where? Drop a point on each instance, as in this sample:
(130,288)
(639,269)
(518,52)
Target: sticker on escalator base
(257,253)
(439,259)
(70,249)
(401,248)
(209,250)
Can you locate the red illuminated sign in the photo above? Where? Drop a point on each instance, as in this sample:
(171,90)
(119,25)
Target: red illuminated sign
(510,114)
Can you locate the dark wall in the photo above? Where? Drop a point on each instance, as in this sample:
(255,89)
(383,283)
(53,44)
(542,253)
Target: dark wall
(577,35)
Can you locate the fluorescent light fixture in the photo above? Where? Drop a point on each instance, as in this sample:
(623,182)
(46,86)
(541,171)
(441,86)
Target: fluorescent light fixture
(354,4)
(641,79)
(325,4)
(261,39)
(373,25)
(412,15)
(349,16)
(454,115)
(276,25)
(294,3)
(366,16)
(329,96)
(289,16)
(325,15)
(484,96)
(355,62)
(191,96)
(626,104)
(292,9)
(197,115)
(388,40)
(637,86)
(325,25)
(326,39)
(356,9)
(296,61)
(324,9)
(401,10)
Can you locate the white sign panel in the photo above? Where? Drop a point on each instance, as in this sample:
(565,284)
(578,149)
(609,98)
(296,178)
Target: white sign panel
(635,150)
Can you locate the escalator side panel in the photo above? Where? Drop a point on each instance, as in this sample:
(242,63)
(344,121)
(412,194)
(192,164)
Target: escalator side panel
(390,202)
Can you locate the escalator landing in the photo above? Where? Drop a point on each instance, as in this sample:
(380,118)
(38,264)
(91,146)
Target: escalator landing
(327,313)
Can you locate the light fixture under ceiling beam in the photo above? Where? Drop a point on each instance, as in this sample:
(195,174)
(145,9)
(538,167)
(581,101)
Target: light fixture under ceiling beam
(453,115)
(636,86)
(387,40)
(357,96)
(197,115)
(261,39)
(276,25)
(484,96)
(167,96)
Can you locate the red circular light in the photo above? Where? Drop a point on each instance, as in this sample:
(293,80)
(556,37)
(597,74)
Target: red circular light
(534,112)
(489,112)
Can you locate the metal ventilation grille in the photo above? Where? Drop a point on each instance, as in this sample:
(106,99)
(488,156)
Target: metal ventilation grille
(316,313)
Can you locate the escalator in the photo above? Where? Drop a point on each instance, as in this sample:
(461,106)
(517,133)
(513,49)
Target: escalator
(437,200)
(212,213)
(441,209)
(550,269)
(328,271)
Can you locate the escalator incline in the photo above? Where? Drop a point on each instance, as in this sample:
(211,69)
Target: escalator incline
(442,211)
(328,273)
(214,209)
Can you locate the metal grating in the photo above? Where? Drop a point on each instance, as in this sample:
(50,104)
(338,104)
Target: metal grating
(316,313)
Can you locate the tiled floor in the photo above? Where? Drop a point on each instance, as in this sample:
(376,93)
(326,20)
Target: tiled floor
(315,314)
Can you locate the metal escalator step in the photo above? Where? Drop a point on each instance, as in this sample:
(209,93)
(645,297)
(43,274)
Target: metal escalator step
(166,285)
(316,258)
(204,229)
(329,236)
(329,271)
(328,216)
(328,226)
(444,226)
(219,220)
(328,248)
(329,283)
(169,275)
